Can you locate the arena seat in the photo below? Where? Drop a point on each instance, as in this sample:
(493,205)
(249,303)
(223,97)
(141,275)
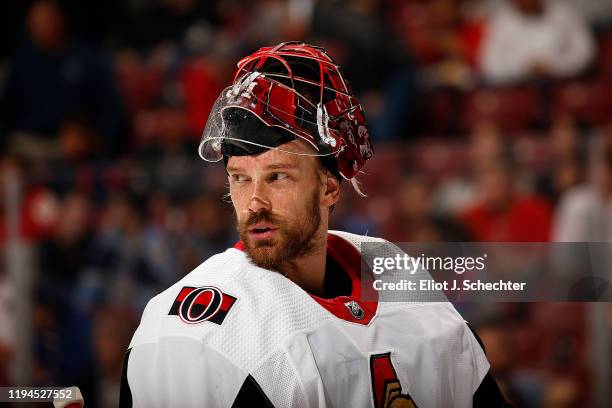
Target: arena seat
(588,101)
(513,109)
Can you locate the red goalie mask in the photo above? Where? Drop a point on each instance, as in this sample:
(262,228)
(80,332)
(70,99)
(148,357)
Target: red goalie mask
(293,90)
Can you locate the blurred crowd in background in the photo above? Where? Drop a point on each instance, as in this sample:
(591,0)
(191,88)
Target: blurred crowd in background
(491,121)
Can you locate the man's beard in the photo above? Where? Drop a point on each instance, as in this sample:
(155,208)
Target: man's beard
(290,241)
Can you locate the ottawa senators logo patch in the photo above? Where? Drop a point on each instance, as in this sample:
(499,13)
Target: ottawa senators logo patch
(386,388)
(206,303)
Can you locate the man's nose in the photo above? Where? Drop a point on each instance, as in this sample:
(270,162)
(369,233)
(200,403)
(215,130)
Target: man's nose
(260,199)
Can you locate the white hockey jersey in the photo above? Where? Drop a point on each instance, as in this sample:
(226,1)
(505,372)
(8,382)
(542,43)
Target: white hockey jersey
(233,334)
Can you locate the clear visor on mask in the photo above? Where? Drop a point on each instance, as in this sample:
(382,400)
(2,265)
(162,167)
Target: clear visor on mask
(257,114)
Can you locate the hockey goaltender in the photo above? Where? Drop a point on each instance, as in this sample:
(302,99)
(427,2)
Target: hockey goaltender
(279,319)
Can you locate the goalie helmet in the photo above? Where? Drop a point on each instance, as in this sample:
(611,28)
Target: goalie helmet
(292,90)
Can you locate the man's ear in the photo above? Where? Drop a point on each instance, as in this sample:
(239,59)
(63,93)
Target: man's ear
(332,190)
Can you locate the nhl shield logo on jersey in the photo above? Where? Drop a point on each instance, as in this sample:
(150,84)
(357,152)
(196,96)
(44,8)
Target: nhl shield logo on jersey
(386,388)
(355,309)
(200,304)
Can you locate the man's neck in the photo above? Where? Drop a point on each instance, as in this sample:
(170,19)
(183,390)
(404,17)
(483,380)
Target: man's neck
(308,271)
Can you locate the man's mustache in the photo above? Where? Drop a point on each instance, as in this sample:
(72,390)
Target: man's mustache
(262,216)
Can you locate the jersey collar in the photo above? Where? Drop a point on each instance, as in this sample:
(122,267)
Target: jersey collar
(361,305)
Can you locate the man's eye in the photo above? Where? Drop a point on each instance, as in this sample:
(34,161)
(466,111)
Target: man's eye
(279,176)
(239,178)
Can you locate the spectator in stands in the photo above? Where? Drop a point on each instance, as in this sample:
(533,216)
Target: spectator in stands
(267,23)
(528,39)
(129,254)
(487,146)
(210,227)
(567,160)
(52,77)
(166,21)
(501,352)
(347,217)
(584,213)
(443,38)
(413,220)
(380,68)
(77,140)
(69,250)
(139,82)
(201,80)
(62,260)
(111,336)
(501,214)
